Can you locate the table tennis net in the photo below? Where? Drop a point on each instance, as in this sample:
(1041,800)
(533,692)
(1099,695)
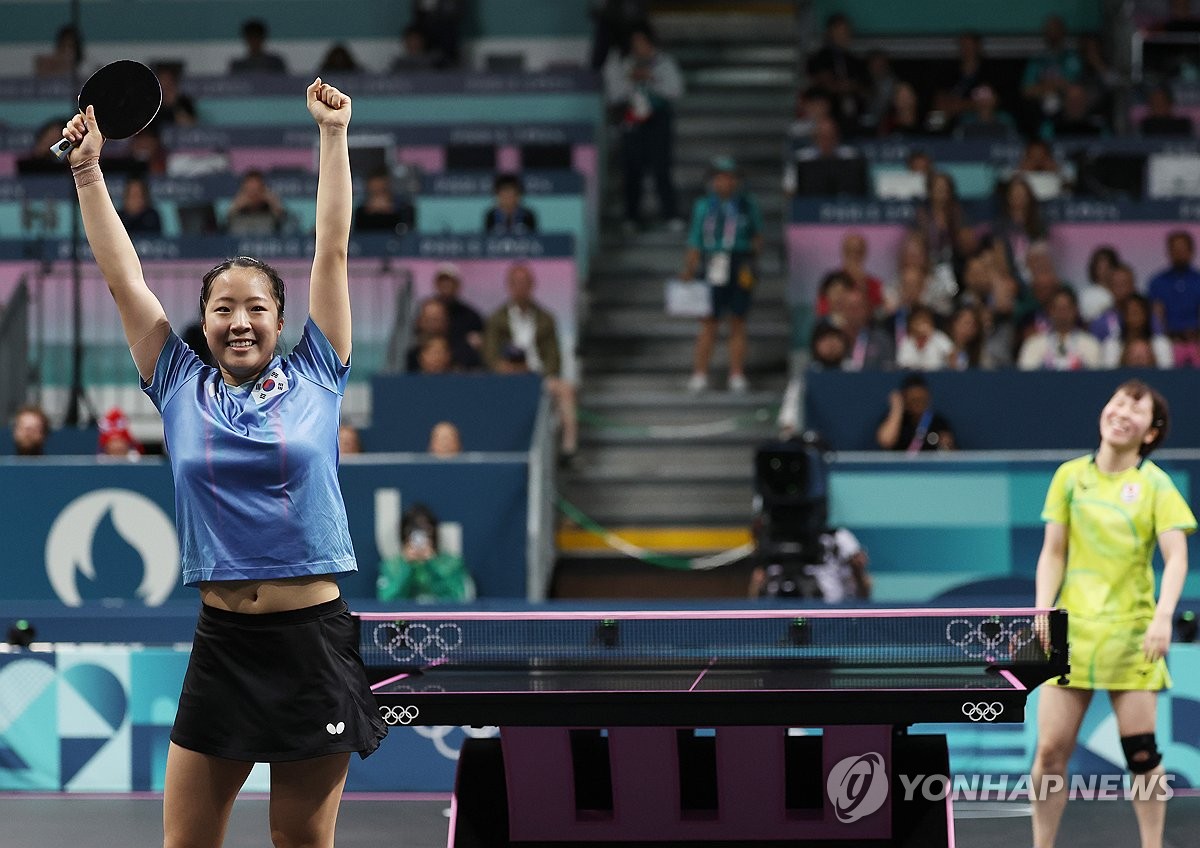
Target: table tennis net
(904,641)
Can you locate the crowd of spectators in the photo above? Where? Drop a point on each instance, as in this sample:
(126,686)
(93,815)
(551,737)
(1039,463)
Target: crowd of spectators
(1004,304)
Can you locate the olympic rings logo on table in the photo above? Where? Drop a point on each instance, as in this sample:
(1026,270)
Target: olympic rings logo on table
(399,715)
(418,641)
(984,639)
(982,710)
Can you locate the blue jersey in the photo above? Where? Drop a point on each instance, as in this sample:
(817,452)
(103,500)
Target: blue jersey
(255,466)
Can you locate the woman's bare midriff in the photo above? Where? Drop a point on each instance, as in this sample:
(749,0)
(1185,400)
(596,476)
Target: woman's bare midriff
(259,596)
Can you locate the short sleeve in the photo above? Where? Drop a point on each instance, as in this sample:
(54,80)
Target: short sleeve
(314,358)
(1171,511)
(177,364)
(1057,509)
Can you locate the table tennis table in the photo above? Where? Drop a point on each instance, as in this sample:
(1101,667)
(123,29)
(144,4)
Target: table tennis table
(754,727)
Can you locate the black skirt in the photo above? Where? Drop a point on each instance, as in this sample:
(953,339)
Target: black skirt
(277,687)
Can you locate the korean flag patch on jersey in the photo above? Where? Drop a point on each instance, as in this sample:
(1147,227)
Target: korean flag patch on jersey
(269,385)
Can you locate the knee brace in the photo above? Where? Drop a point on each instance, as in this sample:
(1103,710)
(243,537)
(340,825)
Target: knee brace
(1141,754)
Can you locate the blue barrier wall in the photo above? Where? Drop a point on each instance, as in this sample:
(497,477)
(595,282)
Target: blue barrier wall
(997,410)
(492,413)
(91,529)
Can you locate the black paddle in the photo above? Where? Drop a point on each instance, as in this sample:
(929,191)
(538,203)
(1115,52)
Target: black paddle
(126,96)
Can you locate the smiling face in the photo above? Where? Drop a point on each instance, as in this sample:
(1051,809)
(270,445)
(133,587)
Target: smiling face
(241,323)
(1126,422)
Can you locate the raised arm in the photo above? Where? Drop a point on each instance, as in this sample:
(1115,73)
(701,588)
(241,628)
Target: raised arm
(329,295)
(142,316)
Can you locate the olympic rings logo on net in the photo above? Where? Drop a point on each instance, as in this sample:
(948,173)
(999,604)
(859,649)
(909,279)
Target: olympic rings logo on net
(986,639)
(399,715)
(982,710)
(418,641)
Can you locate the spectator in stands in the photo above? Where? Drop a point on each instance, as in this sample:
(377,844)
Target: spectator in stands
(522,326)
(433,322)
(644,87)
(508,217)
(828,348)
(911,423)
(422,572)
(66,58)
(957,98)
(416,55)
(836,69)
(940,218)
(257,60)
(612,22)
(1096,297)
(349,441)
(1137,327)
(1075,119)
(1047,76)
(854,266)
(440,21)
(1122,284)
(1064,345)
(993,295)
(908,295)
(148,153)
(904,118)
(177,109)
(137,212)
(1175,293)
(1044,283)
(1138,353)
(445,440)
(1038,158)
(831,293)
(381,210)
(827,168)
(881,87)
(1161,118)
(339,59)
(30,429)
(1018,225)
(940,285)
(812,106)
(1098,79)
(983,119)
(255,210)
(968,340)
(38,159)
(919,161)
(924,347)
(724,242)
(431,355)
(870,348)
(466,324)
(115,438)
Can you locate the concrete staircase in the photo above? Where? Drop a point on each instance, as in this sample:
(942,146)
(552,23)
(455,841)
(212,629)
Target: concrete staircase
(656,464)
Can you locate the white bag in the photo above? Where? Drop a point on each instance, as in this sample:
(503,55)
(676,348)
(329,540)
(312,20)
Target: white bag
(689,298)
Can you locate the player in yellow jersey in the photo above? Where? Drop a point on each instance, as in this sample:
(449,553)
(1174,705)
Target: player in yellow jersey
(1103,514)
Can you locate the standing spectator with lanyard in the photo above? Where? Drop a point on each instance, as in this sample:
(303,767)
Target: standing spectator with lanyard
(1175,293)
(645,85)
(274,675)
(725,240)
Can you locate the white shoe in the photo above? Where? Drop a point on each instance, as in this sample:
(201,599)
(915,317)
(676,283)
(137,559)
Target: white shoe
(697,383)
(738,384)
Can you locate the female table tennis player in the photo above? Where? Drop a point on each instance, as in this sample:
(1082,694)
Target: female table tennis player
(275,674)
(1103,514)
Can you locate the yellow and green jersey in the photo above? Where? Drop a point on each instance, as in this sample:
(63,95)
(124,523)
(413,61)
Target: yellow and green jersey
(1113,522)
